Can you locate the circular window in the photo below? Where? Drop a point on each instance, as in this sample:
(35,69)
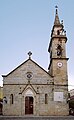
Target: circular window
(29,75)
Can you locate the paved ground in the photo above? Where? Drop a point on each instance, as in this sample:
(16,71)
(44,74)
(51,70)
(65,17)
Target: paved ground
(36,118)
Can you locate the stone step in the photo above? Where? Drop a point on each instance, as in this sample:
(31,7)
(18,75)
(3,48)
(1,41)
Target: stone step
(36,118)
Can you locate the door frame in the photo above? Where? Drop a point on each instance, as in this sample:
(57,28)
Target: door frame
(29,105)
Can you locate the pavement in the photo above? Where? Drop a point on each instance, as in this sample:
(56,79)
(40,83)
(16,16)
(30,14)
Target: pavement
(36,117)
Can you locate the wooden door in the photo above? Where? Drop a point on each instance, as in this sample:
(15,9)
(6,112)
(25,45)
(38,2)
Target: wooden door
(29,105)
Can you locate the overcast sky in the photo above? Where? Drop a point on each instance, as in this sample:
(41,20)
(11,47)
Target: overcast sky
(25,25)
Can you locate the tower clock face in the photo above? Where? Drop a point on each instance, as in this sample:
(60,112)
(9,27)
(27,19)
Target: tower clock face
(59,64)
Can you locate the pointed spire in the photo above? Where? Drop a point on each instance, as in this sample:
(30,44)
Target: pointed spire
(57,21)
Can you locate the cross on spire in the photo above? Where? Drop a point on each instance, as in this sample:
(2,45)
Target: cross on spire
(29,53)
(56,9)
(57,21)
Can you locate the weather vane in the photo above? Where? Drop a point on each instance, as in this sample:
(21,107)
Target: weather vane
(29,53)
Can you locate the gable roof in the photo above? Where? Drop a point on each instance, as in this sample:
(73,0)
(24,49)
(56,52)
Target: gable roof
(24,63)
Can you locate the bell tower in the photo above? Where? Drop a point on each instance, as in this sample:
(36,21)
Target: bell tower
(57,50)
(58,66)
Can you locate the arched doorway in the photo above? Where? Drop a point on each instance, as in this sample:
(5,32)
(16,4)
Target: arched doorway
(29,102)
(28,105)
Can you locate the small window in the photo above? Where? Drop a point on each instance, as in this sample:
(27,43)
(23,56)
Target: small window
(59,50)
(11,99)
(58,32)
(51,54)
(46,99)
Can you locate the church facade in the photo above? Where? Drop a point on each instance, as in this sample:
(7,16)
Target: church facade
(31,90)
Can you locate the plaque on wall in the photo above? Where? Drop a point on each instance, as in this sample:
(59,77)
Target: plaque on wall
(58,96)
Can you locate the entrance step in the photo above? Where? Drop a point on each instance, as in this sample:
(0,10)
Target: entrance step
(37,118)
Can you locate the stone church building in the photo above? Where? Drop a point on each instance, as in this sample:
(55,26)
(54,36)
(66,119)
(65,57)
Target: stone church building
(31,90)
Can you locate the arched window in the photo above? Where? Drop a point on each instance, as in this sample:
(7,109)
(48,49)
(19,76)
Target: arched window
(46,99)
(11,99)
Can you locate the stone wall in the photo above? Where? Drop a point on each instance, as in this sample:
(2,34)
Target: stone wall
(41,83)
